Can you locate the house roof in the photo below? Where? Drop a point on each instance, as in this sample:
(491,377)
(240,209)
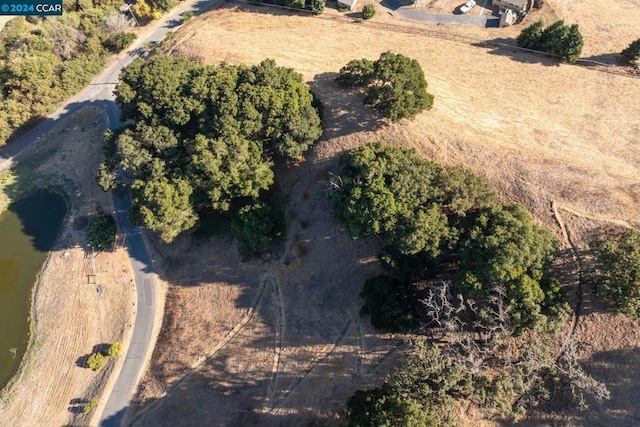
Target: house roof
(349,3)
(519,3)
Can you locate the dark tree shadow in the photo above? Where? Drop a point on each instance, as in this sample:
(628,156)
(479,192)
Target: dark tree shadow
(508,48)
(344,110)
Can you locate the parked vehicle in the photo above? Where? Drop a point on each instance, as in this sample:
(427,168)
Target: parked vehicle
(467,6)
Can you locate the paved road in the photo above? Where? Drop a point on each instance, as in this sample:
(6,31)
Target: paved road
(100,93)
(410,12)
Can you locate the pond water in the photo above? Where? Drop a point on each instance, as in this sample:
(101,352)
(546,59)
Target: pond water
(28,230)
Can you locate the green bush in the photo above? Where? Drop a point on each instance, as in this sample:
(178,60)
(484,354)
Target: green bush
(114,349)
(317,6)
(121,41)
(395,84)
(390,303)
(187,16)
(368,11)
(557,39)
(257,225)
(101,232)
(89,406)
(96,361)
(632,52)
(616,276)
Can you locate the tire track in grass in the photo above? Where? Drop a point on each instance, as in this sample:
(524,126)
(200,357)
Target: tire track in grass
(273,384)
(332,348)
(255,305)
(574,254)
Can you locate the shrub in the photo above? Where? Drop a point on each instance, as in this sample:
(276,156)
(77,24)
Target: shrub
(557,39)
(121,41)
(187,16)
(89,407)
(616,277)
(632,53)
(101,232)
(114,349)
(257,225)
(368,11)
(317,6)
(96,361)
(396,85)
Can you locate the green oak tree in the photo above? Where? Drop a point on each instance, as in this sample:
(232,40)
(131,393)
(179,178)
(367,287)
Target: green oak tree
(101,232)
(204,137)
(616,275)
(395,84)
(631,54)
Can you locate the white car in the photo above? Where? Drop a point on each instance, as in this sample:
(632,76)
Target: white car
(467,6)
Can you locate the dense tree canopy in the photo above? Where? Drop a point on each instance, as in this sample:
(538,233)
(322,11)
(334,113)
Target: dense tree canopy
(393,193)
(45,60)
(504,383)
(203,136)
(557,39)
(616,276)
(442,220)
(504,247)
(395,84)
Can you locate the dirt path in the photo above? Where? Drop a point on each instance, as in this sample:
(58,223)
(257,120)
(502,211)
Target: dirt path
(538,131)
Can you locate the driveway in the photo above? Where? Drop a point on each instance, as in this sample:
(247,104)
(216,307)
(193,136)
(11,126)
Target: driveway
(412,13)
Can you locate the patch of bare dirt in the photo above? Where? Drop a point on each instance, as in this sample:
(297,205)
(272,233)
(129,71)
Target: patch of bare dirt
(279,340)
(70,316)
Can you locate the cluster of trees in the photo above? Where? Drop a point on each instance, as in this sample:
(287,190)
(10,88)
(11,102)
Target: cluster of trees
(616,275)
(152,9)
(315,6)
(45,60)
(557,39)
(443,223)
(203,141)
(97,360)
(395,84)
(101,232)
(423,392)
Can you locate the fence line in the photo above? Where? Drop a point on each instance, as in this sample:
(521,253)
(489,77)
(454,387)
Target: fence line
(410,29)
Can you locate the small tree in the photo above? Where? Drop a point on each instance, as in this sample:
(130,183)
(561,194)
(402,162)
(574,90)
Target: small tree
(96,361)
(616,277)
(632,53)
(368,11)
(557,39)
(317,6)
(257,225)
(89,407)
(120,41)
(114,349)
(529,38)
(563,41)
(396,85)
(101,232)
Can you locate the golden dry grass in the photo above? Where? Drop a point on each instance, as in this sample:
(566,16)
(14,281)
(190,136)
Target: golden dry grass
(539,131)
(70,318)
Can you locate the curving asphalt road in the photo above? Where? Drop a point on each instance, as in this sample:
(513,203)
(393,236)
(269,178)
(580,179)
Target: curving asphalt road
(100,93)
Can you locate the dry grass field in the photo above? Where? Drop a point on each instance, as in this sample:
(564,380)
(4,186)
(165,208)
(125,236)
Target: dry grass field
(278,341)
(70,317)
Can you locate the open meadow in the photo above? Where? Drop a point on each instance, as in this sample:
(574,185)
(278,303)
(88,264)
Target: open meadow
(278,340)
